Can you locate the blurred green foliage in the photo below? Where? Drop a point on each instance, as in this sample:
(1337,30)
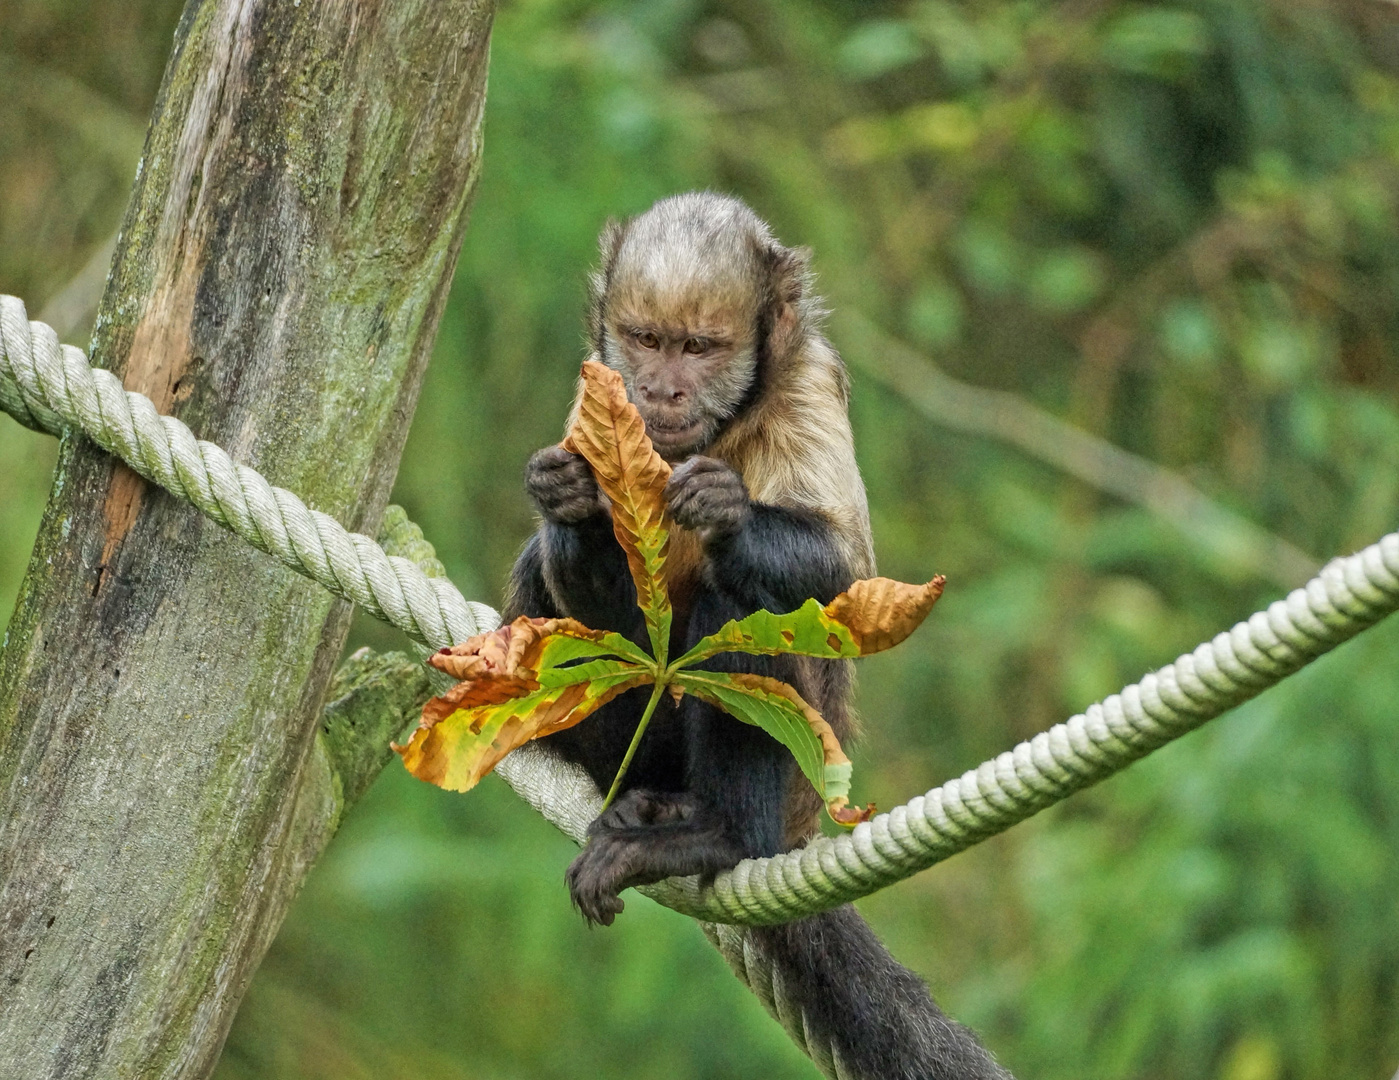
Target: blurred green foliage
(1173,224)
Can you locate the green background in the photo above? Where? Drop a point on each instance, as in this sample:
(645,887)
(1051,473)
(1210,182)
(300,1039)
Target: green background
(1173,225)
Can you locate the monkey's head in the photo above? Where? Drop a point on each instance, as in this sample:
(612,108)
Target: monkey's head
(694,304)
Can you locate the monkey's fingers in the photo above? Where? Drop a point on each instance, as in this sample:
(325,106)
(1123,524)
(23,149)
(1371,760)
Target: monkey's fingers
(722,506)
(554,457)
(698,469)
(562,486)
(548,466)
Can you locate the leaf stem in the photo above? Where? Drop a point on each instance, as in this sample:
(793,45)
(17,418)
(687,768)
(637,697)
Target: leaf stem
(635,741)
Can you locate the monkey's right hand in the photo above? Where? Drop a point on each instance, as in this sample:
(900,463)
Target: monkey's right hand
(562,486)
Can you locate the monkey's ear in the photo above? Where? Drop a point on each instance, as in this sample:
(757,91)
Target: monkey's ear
(789,284)
(791,273)
(609,240)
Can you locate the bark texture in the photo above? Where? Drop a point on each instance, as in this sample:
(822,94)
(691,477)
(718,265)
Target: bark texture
(277,284)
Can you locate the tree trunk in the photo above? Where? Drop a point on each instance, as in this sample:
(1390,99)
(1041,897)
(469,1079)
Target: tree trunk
(291,237)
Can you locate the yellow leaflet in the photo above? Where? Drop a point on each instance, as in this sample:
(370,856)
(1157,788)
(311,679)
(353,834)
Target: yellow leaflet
(610,434)
(872,615)
(458,750)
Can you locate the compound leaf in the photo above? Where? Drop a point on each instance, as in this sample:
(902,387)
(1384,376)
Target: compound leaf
(538,676)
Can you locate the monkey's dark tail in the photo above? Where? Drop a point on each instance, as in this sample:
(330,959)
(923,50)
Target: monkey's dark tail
(862,1014)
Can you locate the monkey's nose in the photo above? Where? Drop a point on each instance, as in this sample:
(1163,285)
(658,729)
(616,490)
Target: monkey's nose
(652,396)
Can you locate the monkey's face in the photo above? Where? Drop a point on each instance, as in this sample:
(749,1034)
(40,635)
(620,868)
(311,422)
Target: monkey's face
(687,379)
(677,310)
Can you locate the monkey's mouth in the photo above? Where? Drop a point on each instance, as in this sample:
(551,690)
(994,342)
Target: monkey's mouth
(676,440)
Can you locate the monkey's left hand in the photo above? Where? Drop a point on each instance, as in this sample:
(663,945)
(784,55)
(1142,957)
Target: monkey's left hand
(708,495)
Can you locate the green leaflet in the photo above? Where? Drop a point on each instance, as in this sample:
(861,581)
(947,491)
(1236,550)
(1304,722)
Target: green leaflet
(808,631)
(592,669)
(561,647)
(457,751)
(751,700)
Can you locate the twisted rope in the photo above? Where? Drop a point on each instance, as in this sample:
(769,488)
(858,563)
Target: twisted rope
(51,387)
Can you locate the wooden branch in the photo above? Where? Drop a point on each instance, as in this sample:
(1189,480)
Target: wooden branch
(277,285)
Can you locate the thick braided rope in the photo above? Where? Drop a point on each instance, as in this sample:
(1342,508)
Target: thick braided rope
(50,387)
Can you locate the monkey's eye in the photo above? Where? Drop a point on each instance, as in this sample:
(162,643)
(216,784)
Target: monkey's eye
(696,345)
(646,339)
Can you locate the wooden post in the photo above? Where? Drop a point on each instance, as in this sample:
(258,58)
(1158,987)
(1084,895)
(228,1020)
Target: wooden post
(291,238)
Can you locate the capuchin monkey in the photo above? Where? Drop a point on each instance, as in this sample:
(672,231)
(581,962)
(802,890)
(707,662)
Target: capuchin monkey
(715,330)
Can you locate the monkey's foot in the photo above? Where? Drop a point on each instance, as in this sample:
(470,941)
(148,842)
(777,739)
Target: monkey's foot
(643,837)
(603,868)
(598,875)
(638,808)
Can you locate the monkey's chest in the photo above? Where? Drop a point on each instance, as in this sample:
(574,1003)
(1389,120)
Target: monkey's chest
(683,567)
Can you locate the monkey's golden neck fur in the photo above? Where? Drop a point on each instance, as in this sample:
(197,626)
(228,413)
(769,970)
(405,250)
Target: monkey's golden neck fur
(793,446)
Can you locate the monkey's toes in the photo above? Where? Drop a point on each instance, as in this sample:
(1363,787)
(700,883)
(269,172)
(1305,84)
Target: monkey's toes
(599,910)
(592,888)
(639,808)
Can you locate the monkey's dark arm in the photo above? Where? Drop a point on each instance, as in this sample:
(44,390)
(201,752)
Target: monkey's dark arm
(758,555)
(579,571)
(585,569)
(527,593)
(777,559)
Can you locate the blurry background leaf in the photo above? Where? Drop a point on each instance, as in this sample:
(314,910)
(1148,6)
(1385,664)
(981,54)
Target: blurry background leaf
(1174,226)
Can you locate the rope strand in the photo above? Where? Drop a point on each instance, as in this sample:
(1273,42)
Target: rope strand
(50,387)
